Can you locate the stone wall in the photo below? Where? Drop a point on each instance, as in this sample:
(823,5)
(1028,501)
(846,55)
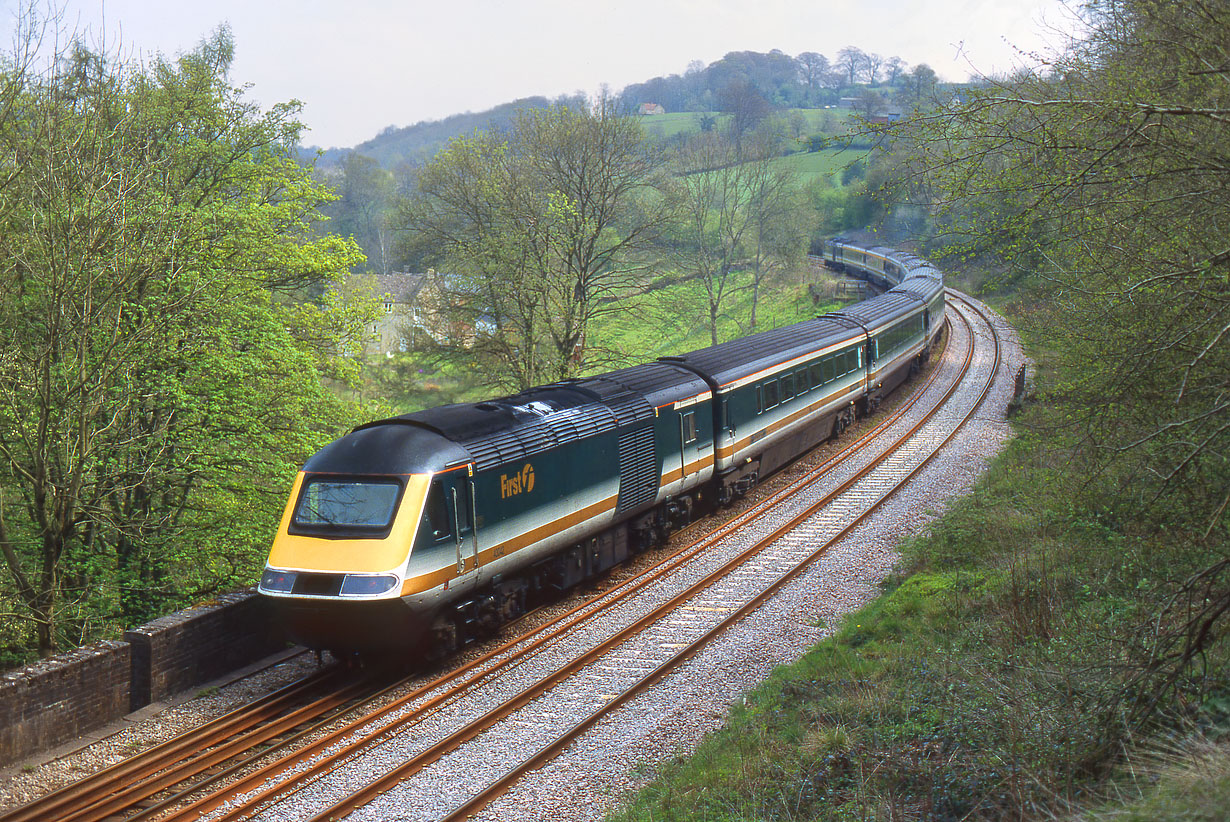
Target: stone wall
(175,652)
(61,698)
(58,699)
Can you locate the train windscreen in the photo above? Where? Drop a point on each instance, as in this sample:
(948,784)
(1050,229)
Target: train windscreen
(350,504)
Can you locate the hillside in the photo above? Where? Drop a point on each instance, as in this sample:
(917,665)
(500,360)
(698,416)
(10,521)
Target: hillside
(742,83)
(394,146)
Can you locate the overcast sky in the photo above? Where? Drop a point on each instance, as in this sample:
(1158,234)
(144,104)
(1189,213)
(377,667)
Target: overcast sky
(361,65)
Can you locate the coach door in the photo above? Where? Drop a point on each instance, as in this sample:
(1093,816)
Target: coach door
(459,494)
(687,440)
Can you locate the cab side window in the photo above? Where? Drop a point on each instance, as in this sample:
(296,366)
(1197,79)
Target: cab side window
(436,523)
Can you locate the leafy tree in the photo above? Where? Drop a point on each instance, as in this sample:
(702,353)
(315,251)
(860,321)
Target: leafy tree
(365,191)
(1101,180)
(919,84)
(540,230)
(157,387)
(869,103)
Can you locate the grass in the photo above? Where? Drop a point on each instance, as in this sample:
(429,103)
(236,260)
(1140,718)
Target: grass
(674,319)
(827,163)
(672,124)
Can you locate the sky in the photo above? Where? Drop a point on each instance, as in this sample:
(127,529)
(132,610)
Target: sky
(359,66)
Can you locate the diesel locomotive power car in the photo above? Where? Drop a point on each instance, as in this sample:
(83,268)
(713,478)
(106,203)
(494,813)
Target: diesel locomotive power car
(421,532)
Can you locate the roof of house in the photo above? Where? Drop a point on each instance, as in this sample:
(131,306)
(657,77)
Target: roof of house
(401,286)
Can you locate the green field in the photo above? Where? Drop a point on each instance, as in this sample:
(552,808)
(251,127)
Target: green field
(827,163)
(664,126)
(674,319)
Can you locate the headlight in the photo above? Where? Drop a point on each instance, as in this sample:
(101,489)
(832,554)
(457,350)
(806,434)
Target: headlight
(277,582)
(364,585)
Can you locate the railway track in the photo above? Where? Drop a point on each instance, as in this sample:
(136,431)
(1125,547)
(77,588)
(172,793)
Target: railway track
(631,636)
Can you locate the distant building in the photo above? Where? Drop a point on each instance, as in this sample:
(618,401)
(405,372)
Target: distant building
(412,304)
(650,108)
(884,119)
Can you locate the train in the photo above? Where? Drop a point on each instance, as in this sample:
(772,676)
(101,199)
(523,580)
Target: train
(417,534)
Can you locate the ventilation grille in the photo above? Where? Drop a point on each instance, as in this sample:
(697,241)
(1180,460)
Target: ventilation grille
(638,469)
(538,435)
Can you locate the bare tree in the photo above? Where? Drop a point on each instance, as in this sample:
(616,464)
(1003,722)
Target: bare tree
(850,60)
(780,220)
(893,67)
(871,67)
(712,196)
(813,67)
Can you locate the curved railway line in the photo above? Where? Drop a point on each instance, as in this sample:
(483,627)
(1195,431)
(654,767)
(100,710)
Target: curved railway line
(321,748)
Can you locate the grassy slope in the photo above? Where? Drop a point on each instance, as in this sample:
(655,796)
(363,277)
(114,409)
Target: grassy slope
(985,683)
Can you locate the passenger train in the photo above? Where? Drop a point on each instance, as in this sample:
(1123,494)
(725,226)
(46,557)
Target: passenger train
(419,533)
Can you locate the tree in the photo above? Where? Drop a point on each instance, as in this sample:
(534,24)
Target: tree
(1101,181)
(851,61)
(871,67)
(893,67)
(541,231)
(365,191)
(813,68)
(869,103)
(712,194)
(155,383)
(746,106)
(780,220)
(919,84)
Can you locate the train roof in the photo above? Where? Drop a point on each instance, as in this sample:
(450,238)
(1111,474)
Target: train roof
(879,311)
(504,429)
(729,361)
(925,288)
(655,383)
(387,447)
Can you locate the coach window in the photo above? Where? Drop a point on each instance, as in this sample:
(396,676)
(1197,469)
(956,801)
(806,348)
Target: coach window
(770,394)
(688,422)
(787,387)
(817,376)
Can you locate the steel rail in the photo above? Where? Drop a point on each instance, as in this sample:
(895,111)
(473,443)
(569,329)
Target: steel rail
(482,723)
(102,783)
(460,681)
(504,782)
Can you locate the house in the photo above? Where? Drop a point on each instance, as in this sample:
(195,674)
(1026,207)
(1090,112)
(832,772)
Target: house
(650,108)
(403,297)
(412,306)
